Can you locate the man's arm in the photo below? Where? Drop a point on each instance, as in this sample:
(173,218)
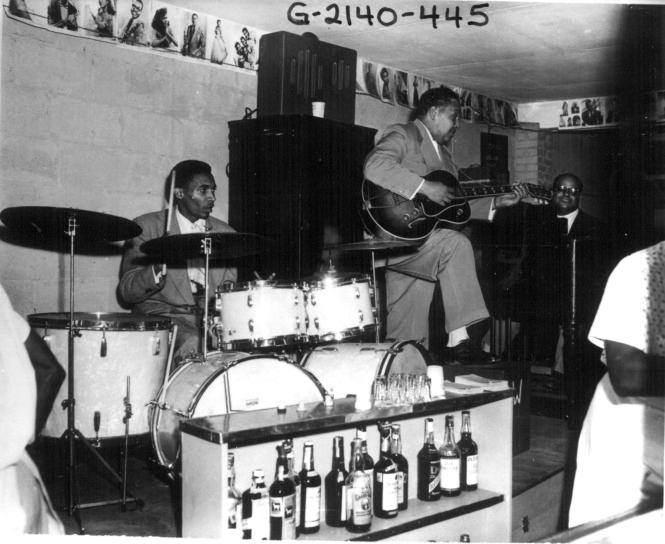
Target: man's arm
(633,372)
(48,374)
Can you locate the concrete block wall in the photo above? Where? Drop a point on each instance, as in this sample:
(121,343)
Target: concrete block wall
(526,156)
(95,126)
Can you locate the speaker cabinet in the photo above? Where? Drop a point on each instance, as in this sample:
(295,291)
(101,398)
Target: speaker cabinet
(296,70)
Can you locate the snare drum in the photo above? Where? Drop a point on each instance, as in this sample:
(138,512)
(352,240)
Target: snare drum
(108,347)
(350,369)
(262,314)
(225,382)
(339,308)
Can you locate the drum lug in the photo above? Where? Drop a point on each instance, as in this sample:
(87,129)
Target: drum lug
(357,291)
(250,300)
(102,347)
(361,317)
(312,299)
(156,344)
(297,322)
(316,322)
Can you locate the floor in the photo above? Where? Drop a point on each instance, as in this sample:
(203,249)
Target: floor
(550,443)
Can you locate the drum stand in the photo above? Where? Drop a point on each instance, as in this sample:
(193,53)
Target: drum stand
(72,434)
(377,300)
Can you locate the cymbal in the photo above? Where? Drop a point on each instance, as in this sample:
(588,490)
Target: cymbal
(223,245)
(53,223)
(374,244)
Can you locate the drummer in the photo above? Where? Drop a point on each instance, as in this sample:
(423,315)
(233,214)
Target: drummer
(176,288)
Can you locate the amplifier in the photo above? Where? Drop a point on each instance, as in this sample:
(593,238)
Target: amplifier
(295,71)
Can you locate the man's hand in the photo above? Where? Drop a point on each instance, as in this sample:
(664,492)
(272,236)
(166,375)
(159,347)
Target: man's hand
(520,193)
(437,192)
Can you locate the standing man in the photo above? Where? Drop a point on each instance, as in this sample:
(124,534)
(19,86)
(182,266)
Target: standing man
(620,450)
(194,39)
(398,162)
(177,290)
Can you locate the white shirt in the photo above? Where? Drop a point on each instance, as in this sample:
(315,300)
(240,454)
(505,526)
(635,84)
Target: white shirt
(570,217)
(195,266)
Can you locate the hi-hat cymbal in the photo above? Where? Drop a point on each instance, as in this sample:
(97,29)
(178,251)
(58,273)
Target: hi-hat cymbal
(374,244)
(54,223)
(223,245)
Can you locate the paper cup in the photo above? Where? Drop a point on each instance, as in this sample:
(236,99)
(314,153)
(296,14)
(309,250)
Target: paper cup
(318,109)
(435,374)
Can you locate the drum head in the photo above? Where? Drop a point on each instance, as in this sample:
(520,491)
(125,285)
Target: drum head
(99,320)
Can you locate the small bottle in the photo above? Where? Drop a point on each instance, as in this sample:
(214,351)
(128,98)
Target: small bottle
(235,498)
(429,466)
(310,504)
(335,486)
(402,467)
(361,432)
(256,508)
(290,456)
(282,495)
(469,455)
(450,461)
(359,493)
(385,489)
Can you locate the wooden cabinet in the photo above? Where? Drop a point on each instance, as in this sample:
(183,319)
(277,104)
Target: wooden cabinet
(484,514)
(296,179)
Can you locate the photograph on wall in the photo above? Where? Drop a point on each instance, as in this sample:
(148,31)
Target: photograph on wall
(386,85)
(19,8)
(369,78)
(166,32)
(98,18)
(133,26)
(217,45)
(588,112)
(242,45)
(64,14)
(194,34)
(401,88)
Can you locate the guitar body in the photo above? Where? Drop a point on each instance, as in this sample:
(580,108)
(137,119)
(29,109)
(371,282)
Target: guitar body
(387,214)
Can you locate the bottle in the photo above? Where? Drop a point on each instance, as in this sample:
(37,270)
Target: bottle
(335,486)
(450,461)
(469,455)
(310,503)
(429,466)
(359,493)
(256,508)
(361,432)
(290,456)
(402,467)
(385,479)
(234,515)
(282,496)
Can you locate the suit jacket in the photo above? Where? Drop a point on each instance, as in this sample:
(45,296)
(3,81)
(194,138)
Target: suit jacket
(404,155)
(173,294)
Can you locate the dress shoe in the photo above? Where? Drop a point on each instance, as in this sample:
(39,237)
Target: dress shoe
(467,353)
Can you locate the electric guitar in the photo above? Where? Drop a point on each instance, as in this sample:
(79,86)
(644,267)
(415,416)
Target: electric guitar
(388,214)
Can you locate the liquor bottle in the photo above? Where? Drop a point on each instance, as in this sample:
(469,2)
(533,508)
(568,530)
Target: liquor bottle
(235,498)
(361,432)
(335,486)
(450,461)
(385,479)
(429,466)
(290,456)
(310,504)
(469,455)
(359,493)
(256,508)
(282,496)
(402,467)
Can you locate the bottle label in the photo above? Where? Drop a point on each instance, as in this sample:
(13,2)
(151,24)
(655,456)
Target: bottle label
(284,508)
(450,473)
(343,516)
(472,470)
(312,506)
(434,476)
(390,491)
(298,499)
(359,503)
(402,487)
(260,520)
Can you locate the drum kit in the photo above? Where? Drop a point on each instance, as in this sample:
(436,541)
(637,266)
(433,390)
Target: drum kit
(120,354)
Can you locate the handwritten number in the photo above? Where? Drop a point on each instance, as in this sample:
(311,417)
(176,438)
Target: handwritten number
(367,15)
(475,11)
(334,20)
(457,18)
(434,15)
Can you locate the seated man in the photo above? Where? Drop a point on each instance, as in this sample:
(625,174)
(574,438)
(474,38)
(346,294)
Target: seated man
(30,380)
(399,161)
(176,289)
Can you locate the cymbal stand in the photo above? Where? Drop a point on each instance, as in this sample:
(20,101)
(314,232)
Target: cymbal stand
(72,434)
(206,247)
(377,300)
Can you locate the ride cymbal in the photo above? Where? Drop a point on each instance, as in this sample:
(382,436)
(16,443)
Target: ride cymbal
(374,244)
(223,245)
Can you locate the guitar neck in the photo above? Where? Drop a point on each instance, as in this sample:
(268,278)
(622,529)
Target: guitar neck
(481,190)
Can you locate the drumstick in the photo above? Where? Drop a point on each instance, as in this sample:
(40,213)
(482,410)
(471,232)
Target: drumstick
(170,212)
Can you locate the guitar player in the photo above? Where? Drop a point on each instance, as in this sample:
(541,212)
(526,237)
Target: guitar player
(399,161)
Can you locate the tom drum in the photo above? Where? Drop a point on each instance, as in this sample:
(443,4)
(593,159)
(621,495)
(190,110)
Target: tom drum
(226,381)
(108,347)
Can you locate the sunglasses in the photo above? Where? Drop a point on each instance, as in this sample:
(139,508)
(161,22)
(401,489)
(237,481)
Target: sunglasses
(568,190)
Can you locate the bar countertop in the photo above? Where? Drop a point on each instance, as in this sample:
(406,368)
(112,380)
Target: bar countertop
(255,427)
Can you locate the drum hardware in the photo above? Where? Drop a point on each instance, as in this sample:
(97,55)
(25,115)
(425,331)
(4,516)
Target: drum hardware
(102,347)
(125,420)
(52,223)
(96,421)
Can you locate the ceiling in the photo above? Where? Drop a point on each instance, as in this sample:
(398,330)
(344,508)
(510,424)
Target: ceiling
(527,52)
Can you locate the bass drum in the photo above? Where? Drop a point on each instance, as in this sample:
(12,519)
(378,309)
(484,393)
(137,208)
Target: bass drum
(350,369)
(108,348)
(227,381)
